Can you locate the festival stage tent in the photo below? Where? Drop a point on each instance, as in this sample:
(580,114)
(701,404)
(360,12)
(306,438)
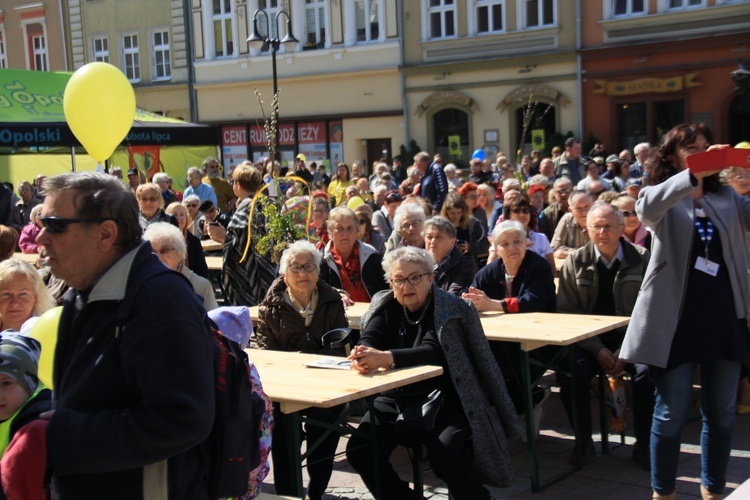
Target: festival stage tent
(35,138)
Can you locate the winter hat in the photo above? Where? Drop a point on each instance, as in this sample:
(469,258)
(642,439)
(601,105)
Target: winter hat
(234,323)
(19,359)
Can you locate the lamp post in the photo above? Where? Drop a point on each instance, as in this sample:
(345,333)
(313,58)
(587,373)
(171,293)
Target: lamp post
(257,42)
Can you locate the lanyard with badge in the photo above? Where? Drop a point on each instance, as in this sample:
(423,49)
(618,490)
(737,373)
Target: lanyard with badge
(704,264)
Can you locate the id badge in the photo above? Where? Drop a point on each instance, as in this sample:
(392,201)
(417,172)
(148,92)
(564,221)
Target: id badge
(706,266)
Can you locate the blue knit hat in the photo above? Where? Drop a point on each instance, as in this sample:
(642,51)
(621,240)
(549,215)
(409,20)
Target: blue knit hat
(19,359)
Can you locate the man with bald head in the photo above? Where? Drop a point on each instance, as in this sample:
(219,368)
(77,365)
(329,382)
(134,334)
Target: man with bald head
(603,278)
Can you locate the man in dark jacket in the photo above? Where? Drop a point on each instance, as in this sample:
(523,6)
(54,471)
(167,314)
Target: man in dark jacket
(134,397)
(434,183)
(604,277)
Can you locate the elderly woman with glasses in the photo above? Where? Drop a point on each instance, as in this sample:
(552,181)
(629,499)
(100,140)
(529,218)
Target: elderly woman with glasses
(408,223)
(295,314)
(193,203)
(195,260)
(635,232)
(416,323)
(520,209)
(150,203)
(168,243)
(351,266)
(454,271)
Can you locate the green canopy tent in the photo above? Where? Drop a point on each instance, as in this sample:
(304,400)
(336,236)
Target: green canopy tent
(32,120)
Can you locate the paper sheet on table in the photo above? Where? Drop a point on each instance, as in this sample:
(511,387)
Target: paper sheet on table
(331,363)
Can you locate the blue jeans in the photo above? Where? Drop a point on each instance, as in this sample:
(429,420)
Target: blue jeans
(719,381)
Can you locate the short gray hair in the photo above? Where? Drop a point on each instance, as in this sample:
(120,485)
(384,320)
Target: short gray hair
(441,224)
(560,181)
(192,171)
(540,179)
(299,247)
(507,226)
(509,184)
(639,146)
(412,171)
(191,197)
(160,177)
(599,205)
(409,255)
(341,212)
(449,168)
(167,233)
(408,209)
(102,197)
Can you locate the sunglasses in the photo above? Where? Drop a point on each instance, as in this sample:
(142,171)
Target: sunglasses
(192,205)
(627,213)
(57,225)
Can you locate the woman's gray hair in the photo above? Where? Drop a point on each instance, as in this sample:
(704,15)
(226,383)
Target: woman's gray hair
(160,177)
(408,255)
(509,184)
(449,168)
(441,224)
(34,211)
(727,174)
(297,248)
(412,171)
(189,198)
(341,212)
(505,227)
(407,209)
(169,234)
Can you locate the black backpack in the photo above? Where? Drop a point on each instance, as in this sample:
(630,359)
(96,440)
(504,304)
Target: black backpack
(232,450)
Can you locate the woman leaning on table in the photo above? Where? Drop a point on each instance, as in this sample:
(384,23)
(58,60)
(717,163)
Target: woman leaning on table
(415,323)
(295,314)
(692,306)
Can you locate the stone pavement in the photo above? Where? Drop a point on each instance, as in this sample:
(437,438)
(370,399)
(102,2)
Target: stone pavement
(612,476)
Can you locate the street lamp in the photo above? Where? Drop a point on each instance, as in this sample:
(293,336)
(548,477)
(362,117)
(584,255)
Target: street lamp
(257,42)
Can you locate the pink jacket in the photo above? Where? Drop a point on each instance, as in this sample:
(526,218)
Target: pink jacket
(27,240)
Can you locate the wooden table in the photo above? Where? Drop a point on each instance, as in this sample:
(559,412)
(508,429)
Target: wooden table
(296,387)
(31,258)
(211,245)
(214,262)
(532,331)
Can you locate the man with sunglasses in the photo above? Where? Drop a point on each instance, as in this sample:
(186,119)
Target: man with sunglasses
(133,382)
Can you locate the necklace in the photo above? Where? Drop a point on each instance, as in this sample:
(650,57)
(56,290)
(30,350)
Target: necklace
(421,316)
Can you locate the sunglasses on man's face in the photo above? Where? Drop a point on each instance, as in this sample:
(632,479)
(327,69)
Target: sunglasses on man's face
(57,225)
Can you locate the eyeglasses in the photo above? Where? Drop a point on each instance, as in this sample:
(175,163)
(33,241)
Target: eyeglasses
(192,205)
(627,213)
(57,225)
(563,191)
(408,225)
(413,279)
(522,210)
(603,229)
(213,167)
(163,251)
(307,268)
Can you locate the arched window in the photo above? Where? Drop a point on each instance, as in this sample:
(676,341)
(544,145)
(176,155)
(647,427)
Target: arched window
(450,129)
(533,116)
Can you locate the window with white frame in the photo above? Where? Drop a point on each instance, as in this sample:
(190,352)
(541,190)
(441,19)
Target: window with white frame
(315,23)
(100,49)
(368,14)
(161,58)
(628,7)
(538,13)
(272,9)
(3,60)
(685,4)
(39,45)
(441,20)
(222,18)
(131,57)
(489,16)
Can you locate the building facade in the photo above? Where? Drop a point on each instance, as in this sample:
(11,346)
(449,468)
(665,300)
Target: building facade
(339,89)
(32,36)
(651,64)
(145,39)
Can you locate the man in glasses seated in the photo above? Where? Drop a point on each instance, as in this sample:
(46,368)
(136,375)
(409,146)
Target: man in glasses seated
(134,396)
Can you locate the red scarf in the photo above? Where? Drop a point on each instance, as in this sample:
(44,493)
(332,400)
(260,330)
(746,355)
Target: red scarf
(351,277)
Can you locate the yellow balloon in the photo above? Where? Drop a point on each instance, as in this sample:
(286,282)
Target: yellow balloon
(99,105)
(743,145)
(45,331)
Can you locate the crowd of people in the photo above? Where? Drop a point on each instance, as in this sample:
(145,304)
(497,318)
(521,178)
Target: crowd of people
(634,234)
